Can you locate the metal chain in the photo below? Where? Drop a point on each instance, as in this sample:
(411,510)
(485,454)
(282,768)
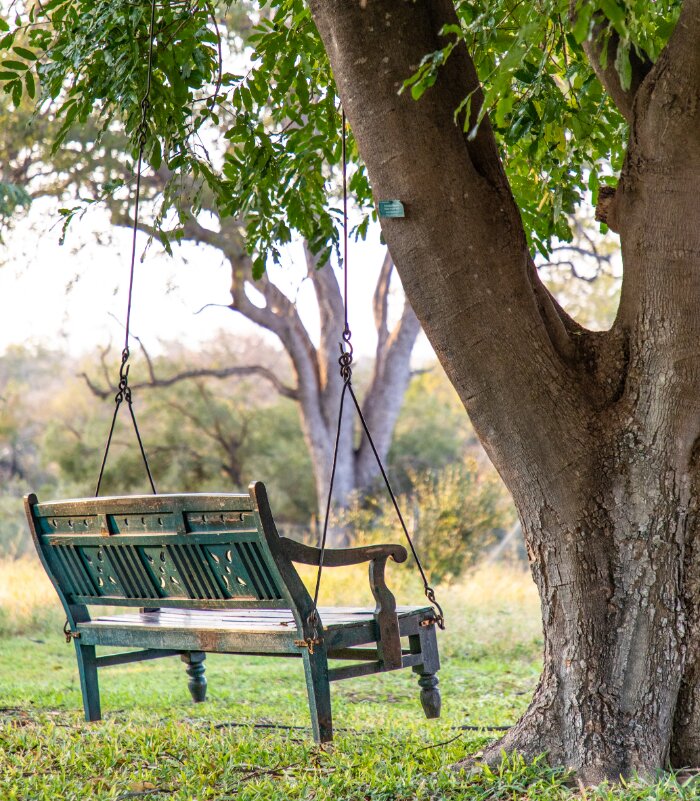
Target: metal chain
(345,363)
(346,330)
(124,390)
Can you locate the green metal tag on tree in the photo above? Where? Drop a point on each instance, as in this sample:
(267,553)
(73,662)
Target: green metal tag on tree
(391,208)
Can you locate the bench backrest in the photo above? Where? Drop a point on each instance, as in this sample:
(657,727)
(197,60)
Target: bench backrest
(190,550)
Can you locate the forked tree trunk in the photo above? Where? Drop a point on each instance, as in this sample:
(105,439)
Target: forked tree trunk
(316,369)
(595,434)
(319,387)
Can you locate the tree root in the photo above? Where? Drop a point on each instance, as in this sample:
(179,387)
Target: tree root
(530,737)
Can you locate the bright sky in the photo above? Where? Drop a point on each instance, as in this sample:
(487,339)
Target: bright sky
(74,296)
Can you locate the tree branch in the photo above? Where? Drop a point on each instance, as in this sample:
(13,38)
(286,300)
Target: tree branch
(602,261)
(229,241)
(461,249)
(384,397)
(380,301)
(599,43)
(205,372)
(390,377)
(278,315)
(331,313)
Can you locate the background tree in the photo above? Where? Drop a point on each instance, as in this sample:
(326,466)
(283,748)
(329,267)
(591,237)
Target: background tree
(90,167)
(509,114)
(204,434)
(208,434)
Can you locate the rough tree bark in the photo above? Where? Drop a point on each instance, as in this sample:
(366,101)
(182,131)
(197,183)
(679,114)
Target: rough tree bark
(596,435)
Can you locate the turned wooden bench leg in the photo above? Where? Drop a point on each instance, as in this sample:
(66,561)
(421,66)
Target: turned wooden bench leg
(197,684)
(425,643)
(319,690)
(89,686)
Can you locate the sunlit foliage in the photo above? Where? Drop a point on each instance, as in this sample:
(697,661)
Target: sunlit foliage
(270,92)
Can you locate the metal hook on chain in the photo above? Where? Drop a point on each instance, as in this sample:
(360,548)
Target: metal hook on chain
(123,391)
(311,641)
(143,125)
(69,633)
(124,368)
(439,617)
(346,354)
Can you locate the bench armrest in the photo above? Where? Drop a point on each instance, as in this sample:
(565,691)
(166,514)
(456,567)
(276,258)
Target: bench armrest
(389,640)
(340,557)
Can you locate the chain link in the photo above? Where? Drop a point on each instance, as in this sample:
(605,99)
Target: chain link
(345,360)
(142,130)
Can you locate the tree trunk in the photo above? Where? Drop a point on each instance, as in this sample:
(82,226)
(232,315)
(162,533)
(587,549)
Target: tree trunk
(596,435)
(320,393)
(606,543)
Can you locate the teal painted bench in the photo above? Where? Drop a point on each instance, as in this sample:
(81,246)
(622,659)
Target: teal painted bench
(210,574)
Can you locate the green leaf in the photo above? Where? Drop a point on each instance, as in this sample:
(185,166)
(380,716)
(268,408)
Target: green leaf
(52,4)
(582,26)
(24,53)
(17,93)
(14,65)
(623,64)
(503,109)
(615,14)
(30,83)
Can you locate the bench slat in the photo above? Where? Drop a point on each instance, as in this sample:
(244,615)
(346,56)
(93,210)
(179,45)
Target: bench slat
(189,639)
(265,619)
(56,536)
(176,603)
(136,504)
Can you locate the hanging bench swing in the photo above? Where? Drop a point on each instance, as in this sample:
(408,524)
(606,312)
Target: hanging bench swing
(208,573)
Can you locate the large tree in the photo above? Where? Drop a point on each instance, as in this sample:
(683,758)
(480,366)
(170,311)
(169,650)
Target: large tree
(595,434)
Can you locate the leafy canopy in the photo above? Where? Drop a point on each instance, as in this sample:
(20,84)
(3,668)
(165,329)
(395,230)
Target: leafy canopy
(268,94)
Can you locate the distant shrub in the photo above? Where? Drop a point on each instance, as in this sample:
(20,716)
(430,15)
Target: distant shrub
(453,515)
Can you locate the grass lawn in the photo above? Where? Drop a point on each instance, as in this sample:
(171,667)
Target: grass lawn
(154,743)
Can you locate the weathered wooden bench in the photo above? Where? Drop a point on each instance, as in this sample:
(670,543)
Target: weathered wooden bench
(211,575)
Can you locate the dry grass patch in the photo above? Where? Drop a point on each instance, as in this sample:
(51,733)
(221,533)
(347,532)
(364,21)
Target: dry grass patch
(28,601)
(493,608)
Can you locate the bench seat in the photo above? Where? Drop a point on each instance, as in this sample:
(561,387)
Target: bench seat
(272,621)
(240,630)
(212,575)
